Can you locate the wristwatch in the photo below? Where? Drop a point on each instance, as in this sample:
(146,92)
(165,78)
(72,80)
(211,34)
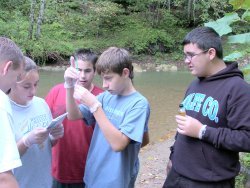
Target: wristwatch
(95,107)
(202,131)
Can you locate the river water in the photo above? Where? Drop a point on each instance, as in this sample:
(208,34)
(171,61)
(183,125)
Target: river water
(164,91)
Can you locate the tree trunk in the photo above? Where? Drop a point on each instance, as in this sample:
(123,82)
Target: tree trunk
(189,9)
(32,10)
(194,11)
(40,19)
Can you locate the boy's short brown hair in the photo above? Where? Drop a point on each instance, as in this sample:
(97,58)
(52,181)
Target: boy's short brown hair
(9,51)
(115,60)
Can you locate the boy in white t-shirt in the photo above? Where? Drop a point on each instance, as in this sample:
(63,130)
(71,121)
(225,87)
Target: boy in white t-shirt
(11,67)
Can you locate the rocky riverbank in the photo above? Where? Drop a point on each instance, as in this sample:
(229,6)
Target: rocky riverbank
(137,67)
(147,66)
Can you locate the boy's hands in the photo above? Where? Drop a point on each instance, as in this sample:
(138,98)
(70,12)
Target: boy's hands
(85,97)
(36,136)
(71,75)
(57,132)
(188,126)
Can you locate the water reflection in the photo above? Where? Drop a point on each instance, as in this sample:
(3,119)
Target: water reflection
(164,90)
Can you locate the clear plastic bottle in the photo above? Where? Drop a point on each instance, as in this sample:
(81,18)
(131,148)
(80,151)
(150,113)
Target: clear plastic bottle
(182,110)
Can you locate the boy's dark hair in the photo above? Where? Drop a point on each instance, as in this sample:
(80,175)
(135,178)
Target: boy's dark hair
(205,38)
(9,51)
(115,60)
(86,55)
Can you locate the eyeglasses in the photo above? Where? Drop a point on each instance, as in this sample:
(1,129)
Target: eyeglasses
(190,56)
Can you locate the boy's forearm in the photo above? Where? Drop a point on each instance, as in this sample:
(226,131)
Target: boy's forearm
(71,106)
(7,180)
(21,147)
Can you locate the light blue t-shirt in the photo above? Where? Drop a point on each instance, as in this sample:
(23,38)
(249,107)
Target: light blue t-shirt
(106,168)
(36,169)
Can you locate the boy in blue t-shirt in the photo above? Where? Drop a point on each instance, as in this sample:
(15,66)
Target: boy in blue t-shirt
(121,116)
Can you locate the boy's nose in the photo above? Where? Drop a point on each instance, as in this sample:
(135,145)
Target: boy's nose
(104,85)
(82,74)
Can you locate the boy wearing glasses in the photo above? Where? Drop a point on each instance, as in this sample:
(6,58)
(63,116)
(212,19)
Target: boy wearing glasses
(217,125)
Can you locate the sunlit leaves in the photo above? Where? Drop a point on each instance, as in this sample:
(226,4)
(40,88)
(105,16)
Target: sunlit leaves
(241,38)
(240,4)
(222,25)
(246,16)
(233,56)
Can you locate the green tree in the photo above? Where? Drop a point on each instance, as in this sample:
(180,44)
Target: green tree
(40,19)
(223,26)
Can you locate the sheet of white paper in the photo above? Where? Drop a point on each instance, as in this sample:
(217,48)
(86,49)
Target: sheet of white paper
(56,121)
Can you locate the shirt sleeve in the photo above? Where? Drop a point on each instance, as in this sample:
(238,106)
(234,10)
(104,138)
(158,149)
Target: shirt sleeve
(88,117)
(235,135)
(136,122)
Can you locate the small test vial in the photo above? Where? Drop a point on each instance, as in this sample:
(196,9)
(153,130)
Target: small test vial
(182,110)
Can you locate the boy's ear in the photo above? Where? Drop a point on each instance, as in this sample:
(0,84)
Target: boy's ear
(212,52)
(7,67)
(126,72)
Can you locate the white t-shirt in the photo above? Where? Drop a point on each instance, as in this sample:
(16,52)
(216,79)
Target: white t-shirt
(9,155)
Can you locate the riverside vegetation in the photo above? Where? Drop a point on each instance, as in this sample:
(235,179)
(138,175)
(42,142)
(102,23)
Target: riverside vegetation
(49,30)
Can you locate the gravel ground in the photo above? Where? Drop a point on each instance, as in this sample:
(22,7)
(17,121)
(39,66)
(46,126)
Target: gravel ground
(153,162)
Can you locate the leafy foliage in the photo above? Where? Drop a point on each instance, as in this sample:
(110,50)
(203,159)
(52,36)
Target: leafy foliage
(242,178)
(145,27)
(194,12)
(222,26)
(240,4)
(241,38)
